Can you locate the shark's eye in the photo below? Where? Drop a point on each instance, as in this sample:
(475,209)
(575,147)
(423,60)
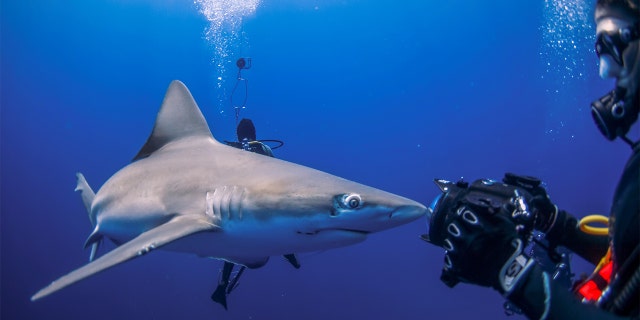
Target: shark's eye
(351,201)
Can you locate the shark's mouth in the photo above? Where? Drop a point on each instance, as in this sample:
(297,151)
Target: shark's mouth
(318,231)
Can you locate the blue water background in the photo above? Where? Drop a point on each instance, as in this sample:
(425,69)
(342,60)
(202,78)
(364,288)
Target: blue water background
(387,93)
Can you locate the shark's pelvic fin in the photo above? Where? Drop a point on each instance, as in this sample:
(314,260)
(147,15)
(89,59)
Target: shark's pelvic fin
(94,250)
(179,227)
(94,240)
(87,195)
(179,117)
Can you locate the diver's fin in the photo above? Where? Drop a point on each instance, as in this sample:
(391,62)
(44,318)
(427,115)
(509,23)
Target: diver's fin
(152,239)
(220,295)
(87,195)
(293,260)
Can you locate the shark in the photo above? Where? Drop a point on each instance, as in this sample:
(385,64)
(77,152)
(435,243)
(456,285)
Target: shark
(187,192)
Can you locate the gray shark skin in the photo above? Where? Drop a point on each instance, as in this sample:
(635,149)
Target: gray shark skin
(187,192)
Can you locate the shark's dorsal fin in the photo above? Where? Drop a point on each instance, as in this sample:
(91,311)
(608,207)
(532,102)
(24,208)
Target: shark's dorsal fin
(179,117)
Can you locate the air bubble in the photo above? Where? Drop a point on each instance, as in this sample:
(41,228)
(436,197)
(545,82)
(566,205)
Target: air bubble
(567,36)
(225,19)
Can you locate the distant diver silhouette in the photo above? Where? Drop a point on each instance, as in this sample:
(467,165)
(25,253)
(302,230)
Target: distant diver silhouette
(247,140)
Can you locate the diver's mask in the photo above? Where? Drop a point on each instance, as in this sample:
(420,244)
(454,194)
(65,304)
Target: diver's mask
(614,43)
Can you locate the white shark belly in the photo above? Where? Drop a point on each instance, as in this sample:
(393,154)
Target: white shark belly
(253,240)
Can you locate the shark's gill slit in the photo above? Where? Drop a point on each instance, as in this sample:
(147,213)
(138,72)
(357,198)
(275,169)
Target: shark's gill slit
(209,202)
(225,200)
(215,203)
(235,203)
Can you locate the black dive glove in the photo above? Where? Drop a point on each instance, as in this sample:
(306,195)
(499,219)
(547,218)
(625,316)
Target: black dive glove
(542,209)
(485,227)
(483,247)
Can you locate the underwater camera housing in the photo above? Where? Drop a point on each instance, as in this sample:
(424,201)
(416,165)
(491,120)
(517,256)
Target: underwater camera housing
(515,197)
(512,197)
(509,197)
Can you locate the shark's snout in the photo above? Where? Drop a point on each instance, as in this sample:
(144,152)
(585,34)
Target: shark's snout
(383,217)
(408,213)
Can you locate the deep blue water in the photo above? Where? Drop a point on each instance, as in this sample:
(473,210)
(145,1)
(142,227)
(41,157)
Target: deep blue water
(386,93)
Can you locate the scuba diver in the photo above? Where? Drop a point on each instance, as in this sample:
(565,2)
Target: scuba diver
(245,130)
(247,141)
(246,134)
(485,226)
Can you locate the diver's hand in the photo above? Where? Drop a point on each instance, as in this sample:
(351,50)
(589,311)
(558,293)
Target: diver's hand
(544,211)
(483,248)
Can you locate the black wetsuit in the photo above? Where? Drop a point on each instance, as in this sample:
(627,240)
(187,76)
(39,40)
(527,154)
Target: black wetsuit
(252,146)
(623,299)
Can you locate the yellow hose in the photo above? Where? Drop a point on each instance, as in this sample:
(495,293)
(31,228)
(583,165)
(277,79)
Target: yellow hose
(598,231)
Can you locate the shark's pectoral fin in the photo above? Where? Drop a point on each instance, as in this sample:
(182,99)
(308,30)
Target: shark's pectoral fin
(147,241)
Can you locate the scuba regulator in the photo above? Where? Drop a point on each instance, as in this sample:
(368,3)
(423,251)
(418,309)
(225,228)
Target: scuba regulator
(614,115)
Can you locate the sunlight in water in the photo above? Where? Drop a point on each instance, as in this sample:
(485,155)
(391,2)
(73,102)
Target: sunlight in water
(224,33)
